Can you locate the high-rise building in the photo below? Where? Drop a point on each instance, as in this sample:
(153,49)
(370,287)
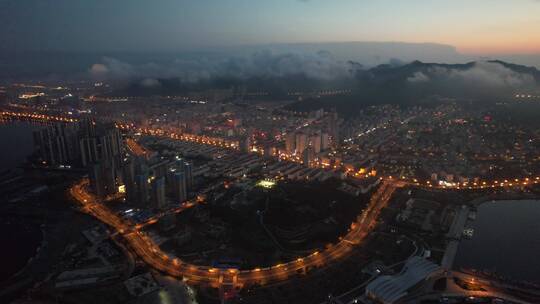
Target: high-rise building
(301,142)
(157,180)
(188,171)
(128,177)
(87,128)
(73,149)
(236,122)
(55,144)
(141,189)
(89,150)
(160,168)
(97,180)
(308,156)
(333,127)
(325,142)
(158,193)
(315,142)
(112,141)
(179,187)
(317,114)
(102,179)
(269,150)
(245,144)
(105,145)
(290,142)
(100,151)
(50,146)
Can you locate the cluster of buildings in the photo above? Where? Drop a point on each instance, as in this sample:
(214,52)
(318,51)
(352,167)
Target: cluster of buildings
(261,127)
(305,138)
(78,144)
(233,164)
(148,182)
(95,147)
(307,143)
(444,143)
(154,183)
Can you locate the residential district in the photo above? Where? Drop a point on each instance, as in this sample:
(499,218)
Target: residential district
(208,198)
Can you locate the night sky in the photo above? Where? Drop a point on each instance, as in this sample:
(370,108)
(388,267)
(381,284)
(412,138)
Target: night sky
(473,27)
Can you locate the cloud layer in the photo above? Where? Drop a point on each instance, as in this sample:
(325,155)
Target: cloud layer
(320,65)
(484,74)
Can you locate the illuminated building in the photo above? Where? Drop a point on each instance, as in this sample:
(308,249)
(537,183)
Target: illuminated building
(308,156)
(290,142)
(266,183)
(100,151)
(141,189)
(87,128)
(188,171)
(128,177)
(50,146)
(301,142)
(159,169)
(315,142)
(96,180)
(245,144)
(102,179)
(105,145)
(179,187)
(55,144)
(333,127)
(31,95)
(325,143)
(89,150)
(269,150)
(158,194)
(237,122)
(389,289)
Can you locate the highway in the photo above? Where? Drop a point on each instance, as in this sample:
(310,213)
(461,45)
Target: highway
(152,255)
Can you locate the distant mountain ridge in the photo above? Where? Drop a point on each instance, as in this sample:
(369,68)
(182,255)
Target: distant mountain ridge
(417,65)
(413,80)
(423,83)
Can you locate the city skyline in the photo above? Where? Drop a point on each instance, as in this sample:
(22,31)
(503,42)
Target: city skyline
(267,152)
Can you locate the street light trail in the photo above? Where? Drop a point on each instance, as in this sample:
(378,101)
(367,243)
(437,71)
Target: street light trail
(151,254)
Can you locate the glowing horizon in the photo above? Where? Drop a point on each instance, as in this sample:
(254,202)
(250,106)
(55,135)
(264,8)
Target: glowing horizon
(473,27)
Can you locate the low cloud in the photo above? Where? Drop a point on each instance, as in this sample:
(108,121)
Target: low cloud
(321,65)
(98,69)
(485,74)
(418,77)
(150,83)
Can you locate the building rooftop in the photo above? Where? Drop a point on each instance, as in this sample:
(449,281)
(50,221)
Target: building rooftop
(389,289)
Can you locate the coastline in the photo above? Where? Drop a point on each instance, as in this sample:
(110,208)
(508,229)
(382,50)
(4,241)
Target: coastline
(36,255)
(30,256)
(488,250)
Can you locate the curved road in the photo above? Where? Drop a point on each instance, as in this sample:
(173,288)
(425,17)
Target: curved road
(151,254)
